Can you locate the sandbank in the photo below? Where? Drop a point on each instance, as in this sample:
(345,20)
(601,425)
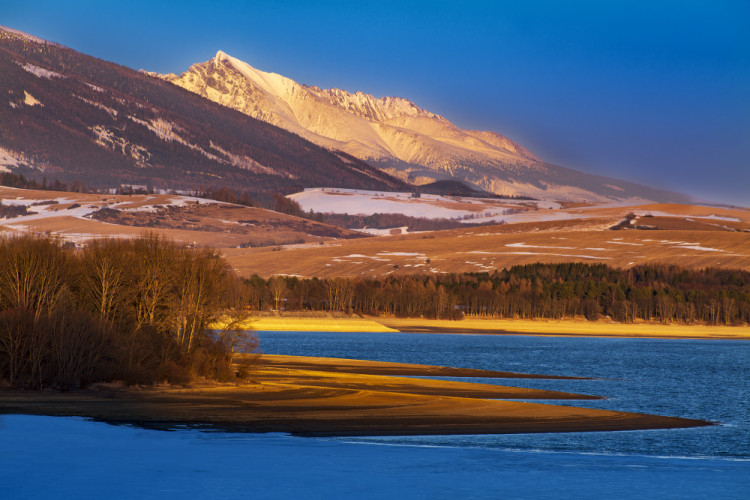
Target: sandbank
(540,327)
(279,398)
(314,324)
(569,327)
(341,365)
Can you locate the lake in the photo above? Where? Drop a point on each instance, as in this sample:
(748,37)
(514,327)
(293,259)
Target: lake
(46,457)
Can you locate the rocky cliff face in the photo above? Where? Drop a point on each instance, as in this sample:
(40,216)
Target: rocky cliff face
(396,135)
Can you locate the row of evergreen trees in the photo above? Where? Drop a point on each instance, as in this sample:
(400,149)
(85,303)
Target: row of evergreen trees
(137,311)
(653,293)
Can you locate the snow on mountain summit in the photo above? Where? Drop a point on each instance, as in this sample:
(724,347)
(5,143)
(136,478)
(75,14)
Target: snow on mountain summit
(387,130)
(24,35)
(394,134)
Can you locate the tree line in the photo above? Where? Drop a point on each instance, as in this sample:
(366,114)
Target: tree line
(668,294)
(137,311)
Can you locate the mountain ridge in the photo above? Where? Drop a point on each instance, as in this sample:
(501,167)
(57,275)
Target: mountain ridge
(73,117)
(398,136)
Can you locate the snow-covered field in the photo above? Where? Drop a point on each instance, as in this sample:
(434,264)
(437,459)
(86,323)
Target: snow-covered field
(79,206)
(362,202)
(484,210)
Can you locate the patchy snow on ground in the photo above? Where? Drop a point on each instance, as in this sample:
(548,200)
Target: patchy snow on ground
(659,213)
(56,207)
(364,202)
(465,209)
(698,247)
(78,212)
(367,203)
(533,216)
(625,243)
(524,245)
(393,231)
(360,256)
(402,254)
(41,72)
(538,253)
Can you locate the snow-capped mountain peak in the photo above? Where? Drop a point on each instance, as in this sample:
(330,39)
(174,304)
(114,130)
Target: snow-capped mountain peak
(394,134)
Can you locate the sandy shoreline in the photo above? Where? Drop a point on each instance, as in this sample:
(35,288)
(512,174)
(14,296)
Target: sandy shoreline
(281,397)
(316,324)
(365,367)
(562,328)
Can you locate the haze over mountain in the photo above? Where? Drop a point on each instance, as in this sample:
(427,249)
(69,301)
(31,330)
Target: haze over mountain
(396,135)
(72,117)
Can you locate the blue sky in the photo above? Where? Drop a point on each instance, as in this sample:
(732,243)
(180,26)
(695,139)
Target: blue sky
(654,92)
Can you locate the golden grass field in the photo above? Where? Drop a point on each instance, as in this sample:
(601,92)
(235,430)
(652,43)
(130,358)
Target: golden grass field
(687,235)
(487,249)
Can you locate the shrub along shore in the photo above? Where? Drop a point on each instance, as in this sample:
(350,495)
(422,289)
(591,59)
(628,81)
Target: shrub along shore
(136,311)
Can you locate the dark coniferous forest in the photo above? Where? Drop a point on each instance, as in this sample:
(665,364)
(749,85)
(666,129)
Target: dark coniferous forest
(666,294)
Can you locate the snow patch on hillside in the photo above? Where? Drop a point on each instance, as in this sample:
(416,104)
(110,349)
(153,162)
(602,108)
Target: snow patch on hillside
(94,87)
(41,72)
(244,162)
(108,139)
(8,159)
(112,112)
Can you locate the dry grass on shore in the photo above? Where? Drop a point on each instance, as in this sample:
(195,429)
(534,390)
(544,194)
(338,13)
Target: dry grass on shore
(565,327)
(282,398)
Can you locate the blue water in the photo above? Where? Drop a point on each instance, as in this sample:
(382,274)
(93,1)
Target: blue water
(702,379)
(46,457)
